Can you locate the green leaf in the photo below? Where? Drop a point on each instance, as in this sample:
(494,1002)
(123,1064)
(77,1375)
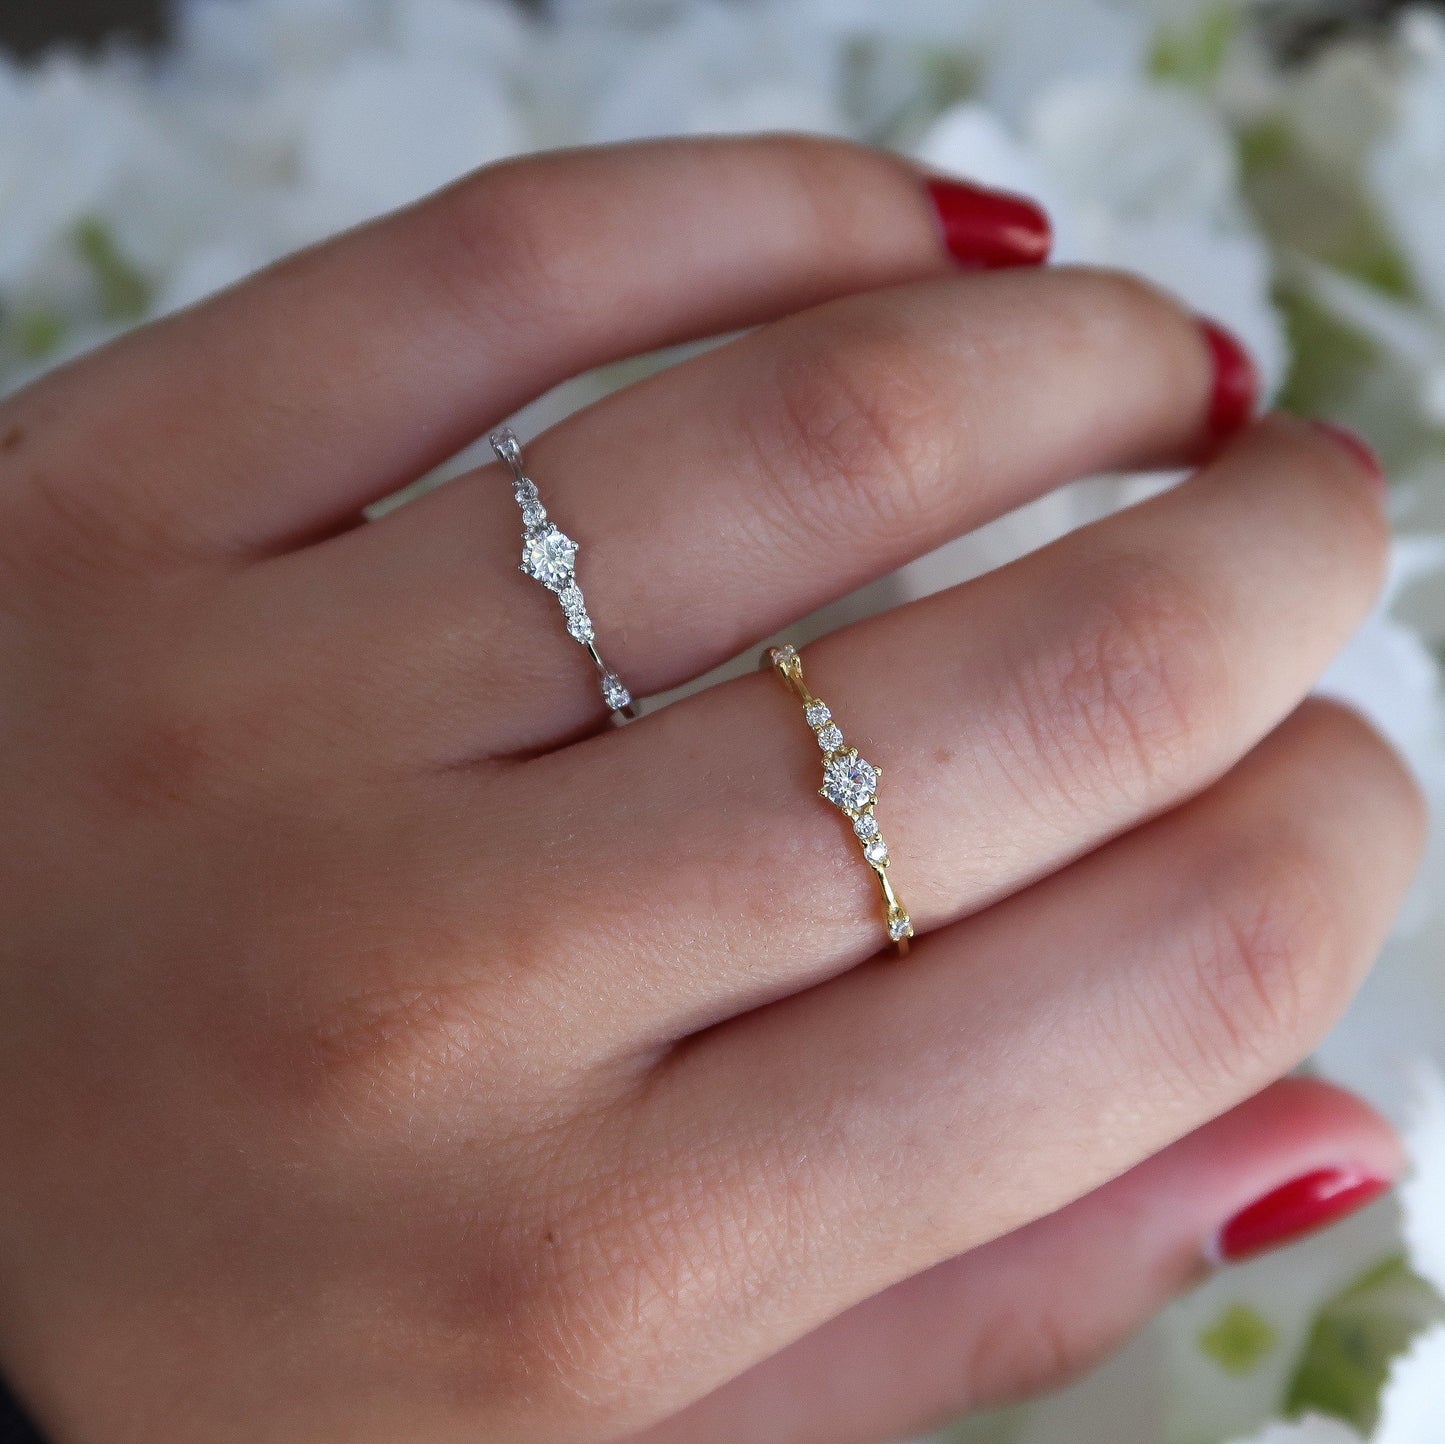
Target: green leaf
(1353,1340)
(1240,1340)
(125,293)
(1329,358)
(39,333)
(1195,55)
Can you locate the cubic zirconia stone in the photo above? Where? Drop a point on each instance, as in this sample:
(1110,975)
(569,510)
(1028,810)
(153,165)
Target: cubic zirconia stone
(866,826)
(785,654)
(830,739)
(876,851)
(525,491)
(548,555)
(900,927)
(571,598)
(849,782)
(818,714)
(534,514)
(579,625)
(614,693)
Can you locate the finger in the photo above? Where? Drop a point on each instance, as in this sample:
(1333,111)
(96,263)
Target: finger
(737,491)
(1020,720)
(1033,1309)
(286,404)
(855,1134)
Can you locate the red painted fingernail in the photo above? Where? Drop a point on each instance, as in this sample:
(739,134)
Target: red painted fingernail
(1299,1207)
(990,230)
(1236,383)
(1358,447)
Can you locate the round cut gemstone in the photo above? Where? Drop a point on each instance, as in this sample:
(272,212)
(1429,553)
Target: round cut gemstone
(533,514)
(876,851)
(849,782)
(830,739)
(900,926)
(548,555)
(818,714)
(866,826)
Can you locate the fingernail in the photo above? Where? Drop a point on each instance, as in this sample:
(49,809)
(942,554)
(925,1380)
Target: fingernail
(1236,383)
(989,230)
(1300,1207)
(1358,447)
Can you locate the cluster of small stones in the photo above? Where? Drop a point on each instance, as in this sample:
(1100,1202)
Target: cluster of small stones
(851,785)
(549,556)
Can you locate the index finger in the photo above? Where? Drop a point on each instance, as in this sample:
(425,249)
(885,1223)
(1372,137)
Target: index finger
(284,405)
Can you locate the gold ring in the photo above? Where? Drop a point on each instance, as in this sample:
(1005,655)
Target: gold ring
(850,784)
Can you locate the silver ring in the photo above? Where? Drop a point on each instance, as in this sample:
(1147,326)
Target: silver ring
(549,556)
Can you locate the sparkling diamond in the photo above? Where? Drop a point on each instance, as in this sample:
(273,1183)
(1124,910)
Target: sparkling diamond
(548,555)
(579,624)
(571,598)
(818,714)
(900,926)
(830,739)
(525,491)
(614,693)
(866,826)
(849,782)
(533,514)
(784,654)
(876,851)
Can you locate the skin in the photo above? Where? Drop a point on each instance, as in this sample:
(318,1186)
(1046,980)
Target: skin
(391,1050)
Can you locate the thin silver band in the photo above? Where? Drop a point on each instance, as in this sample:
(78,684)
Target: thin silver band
(549,556)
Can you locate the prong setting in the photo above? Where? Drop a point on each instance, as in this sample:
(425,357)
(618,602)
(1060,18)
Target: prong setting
(850,783)
(549,556)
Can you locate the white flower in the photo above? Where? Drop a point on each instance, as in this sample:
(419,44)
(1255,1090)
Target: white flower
(1422,1195)
(1313,1429)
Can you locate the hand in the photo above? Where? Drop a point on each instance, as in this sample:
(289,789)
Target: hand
(390,1050)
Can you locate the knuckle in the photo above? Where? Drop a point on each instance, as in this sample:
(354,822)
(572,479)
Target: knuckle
(851,435)
(501,252)
(179,750)
(1030,1348)
(1264,968)
(1128,694)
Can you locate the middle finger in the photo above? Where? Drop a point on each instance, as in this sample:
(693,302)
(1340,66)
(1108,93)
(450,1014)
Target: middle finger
(724,497)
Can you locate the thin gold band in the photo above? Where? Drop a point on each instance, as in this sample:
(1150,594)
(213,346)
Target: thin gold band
(850,784)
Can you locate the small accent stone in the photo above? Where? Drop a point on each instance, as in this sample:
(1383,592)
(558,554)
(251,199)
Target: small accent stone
(579,625)
(876,851)
(830,739)
(614,693)
(849,782)
(525,491)
(533,514)
(866,826)
(900,927)
(818,714)
(784,654)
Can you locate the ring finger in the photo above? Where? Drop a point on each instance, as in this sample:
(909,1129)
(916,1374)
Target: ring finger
(1020,720)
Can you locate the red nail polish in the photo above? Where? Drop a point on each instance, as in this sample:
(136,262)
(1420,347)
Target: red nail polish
(1236,383)
(990,230)
(1357,446)
(1299,1207)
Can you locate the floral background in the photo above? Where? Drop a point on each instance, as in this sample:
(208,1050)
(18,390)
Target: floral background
(1280,165)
